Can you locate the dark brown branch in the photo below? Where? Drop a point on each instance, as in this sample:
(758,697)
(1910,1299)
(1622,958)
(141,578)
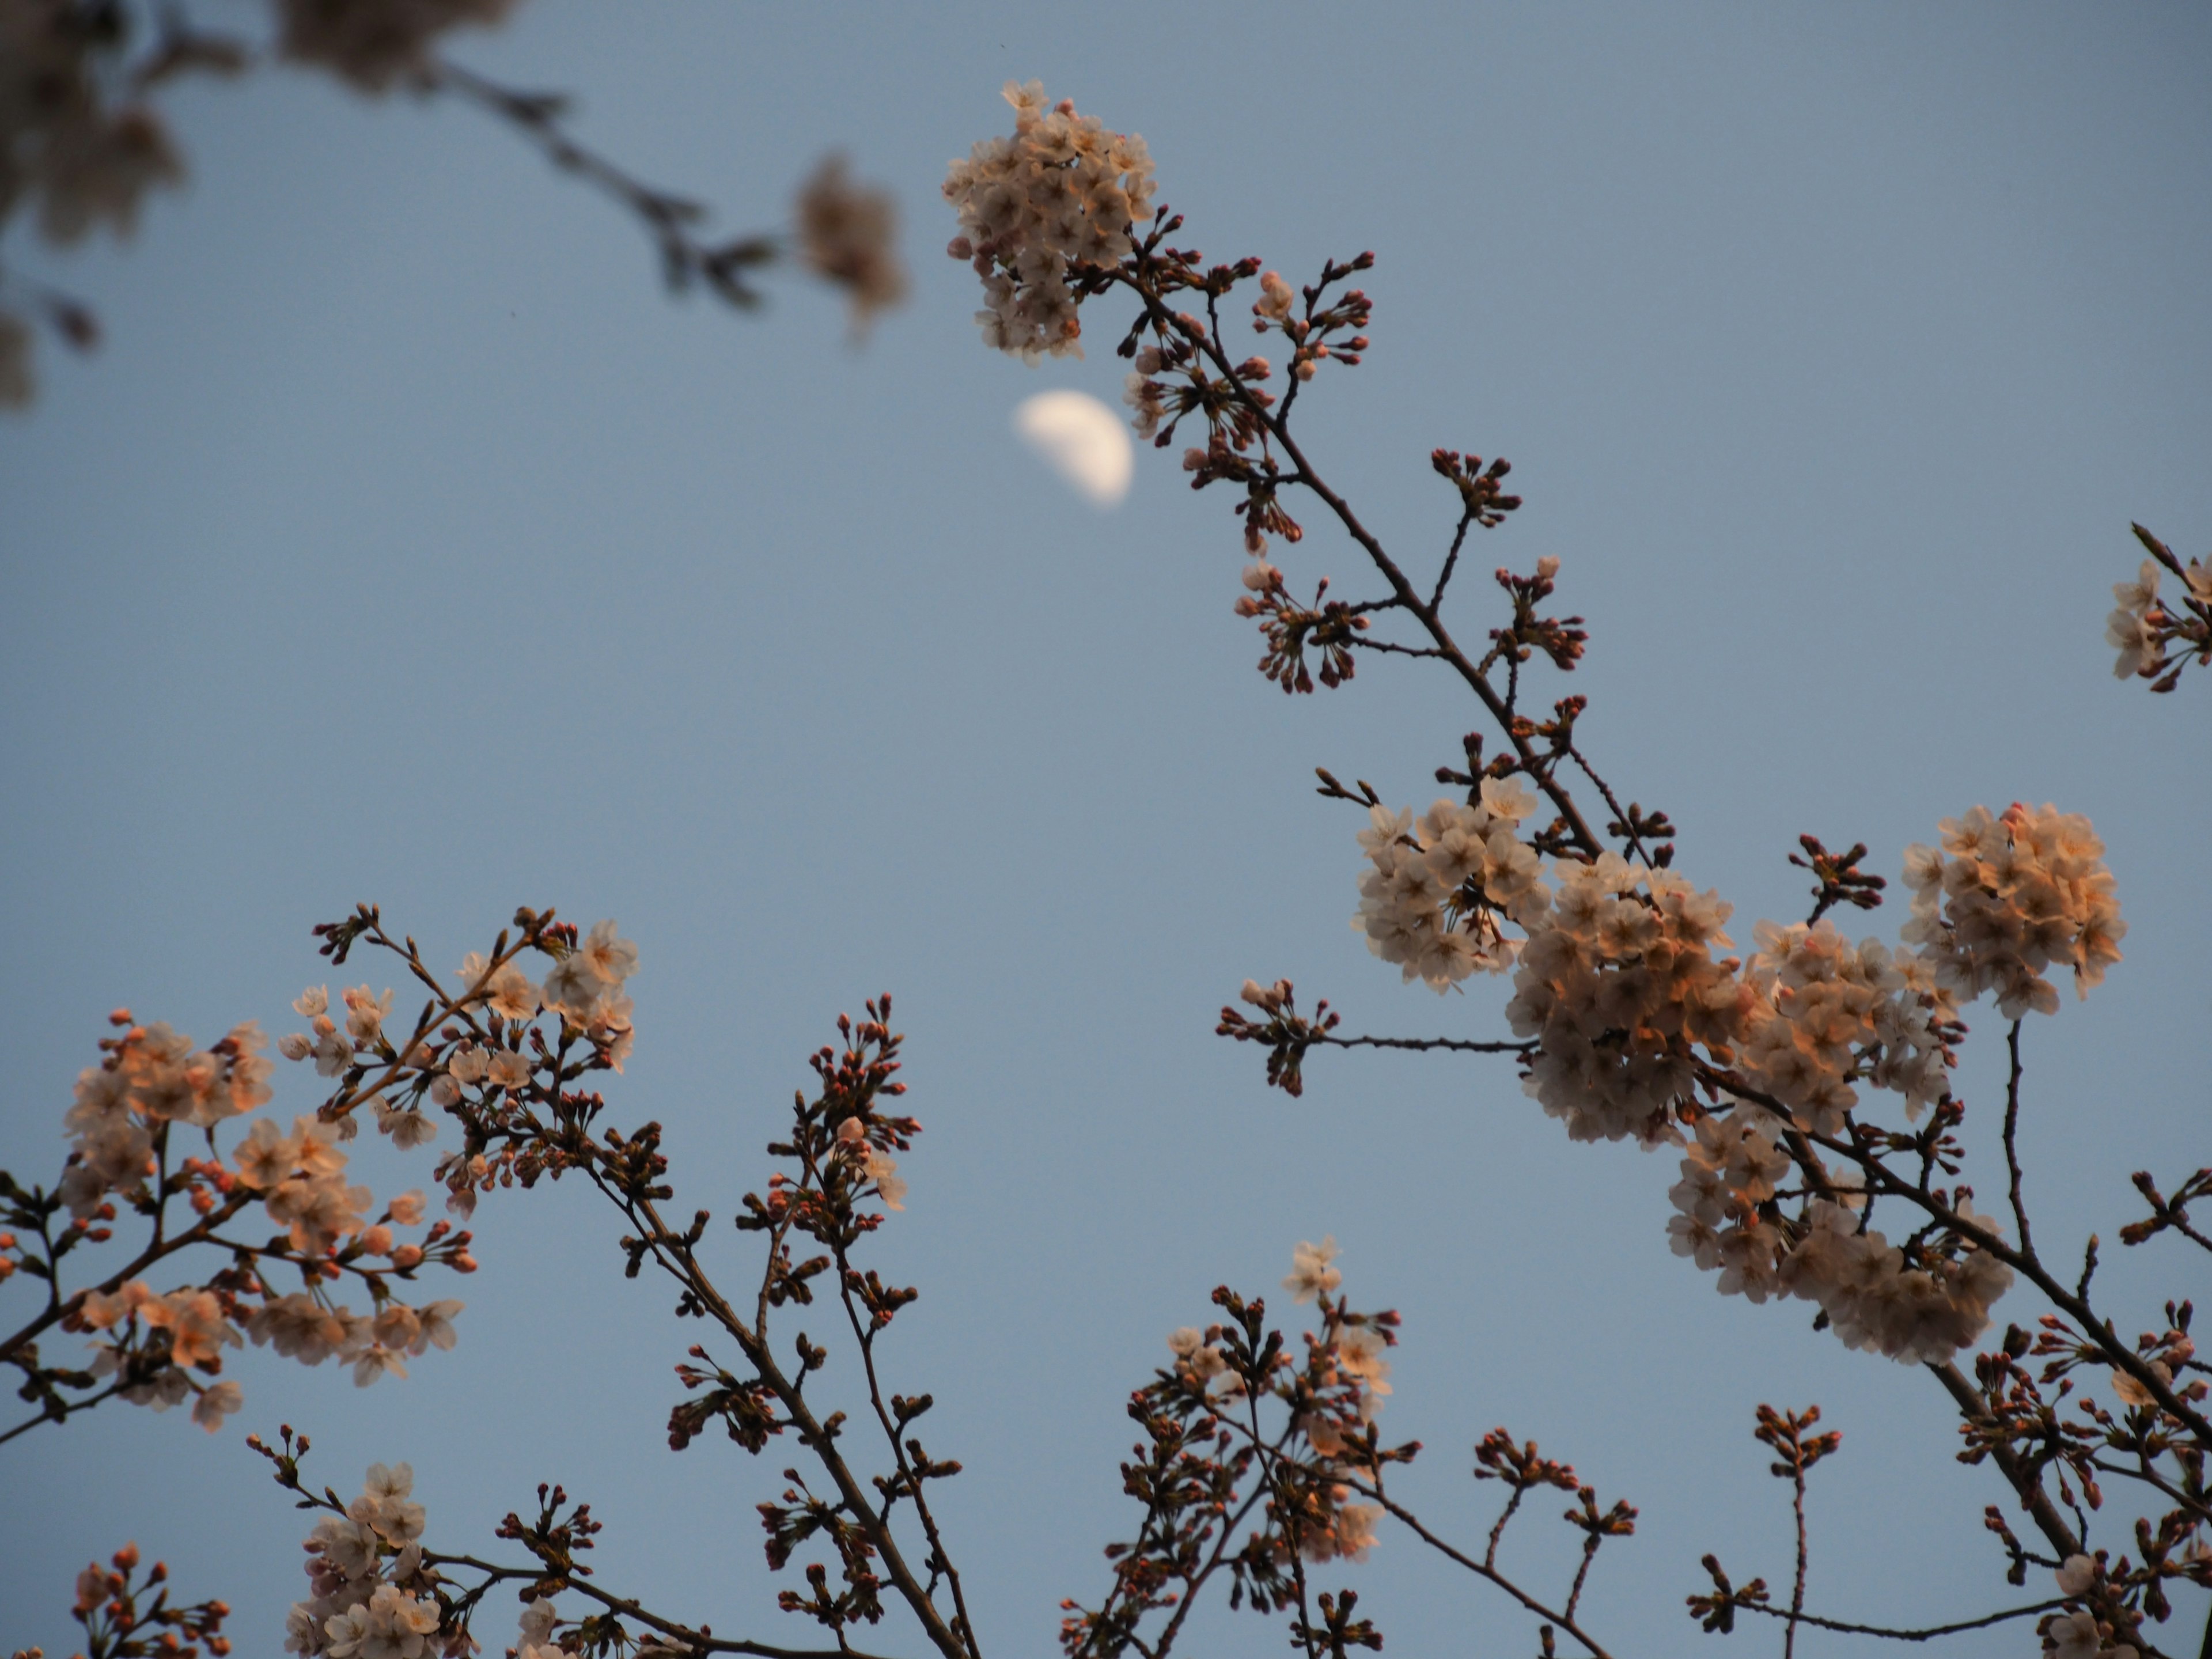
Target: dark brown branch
(1464,1045)
(1413,1522)
(2011,1130)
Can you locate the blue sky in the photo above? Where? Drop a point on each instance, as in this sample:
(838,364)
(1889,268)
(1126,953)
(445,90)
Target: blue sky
(403,543)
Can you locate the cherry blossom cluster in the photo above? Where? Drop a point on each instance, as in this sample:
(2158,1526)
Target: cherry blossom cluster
(158,1349)
(1061,194)
(369,1593)
(68,148)
(1435,895)
(489,1052)
(1918,1308)
(1617,987)
(2006,897)
(1828,1011)
(151,1076)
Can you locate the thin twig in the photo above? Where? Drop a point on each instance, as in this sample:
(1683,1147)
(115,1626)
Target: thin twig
(1896,1635)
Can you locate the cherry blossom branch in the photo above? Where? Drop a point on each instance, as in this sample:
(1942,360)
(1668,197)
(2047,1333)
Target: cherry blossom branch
(910,1477)
(2023,1262)
(56,1311)
(1405,597)
(2026,1484)
(672,1252)
(60,1408)
(1463,1045)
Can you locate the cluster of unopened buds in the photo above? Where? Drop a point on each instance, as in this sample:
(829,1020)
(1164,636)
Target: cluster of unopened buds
(1277,310)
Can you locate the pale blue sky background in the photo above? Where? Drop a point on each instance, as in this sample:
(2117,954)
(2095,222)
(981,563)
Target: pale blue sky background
(404,543)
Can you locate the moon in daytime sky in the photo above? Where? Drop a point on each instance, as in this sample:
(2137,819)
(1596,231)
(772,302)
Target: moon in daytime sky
(1081,440)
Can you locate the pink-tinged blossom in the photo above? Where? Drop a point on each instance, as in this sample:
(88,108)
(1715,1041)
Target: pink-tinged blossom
(591,976)
(299,1328)
(407,1128)
(366,1012)
(1829,1012)
(508,1069)
(849,236)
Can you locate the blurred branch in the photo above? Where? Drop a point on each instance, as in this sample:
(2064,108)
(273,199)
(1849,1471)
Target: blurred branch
(670,220)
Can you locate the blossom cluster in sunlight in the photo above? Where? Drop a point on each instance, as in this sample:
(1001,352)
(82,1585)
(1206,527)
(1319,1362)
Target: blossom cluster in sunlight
(1828,1010)
(2017,894)
(1614,986)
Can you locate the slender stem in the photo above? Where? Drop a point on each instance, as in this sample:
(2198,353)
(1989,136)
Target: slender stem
(1797,1589)
(939,1559)
(69,1408)
(1497,1532)
(1451,559)
(2011,1128)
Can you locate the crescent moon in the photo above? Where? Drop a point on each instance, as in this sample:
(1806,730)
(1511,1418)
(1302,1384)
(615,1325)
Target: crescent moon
(1080,439)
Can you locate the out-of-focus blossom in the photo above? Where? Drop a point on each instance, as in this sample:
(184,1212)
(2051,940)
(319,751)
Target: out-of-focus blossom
(1310,1274)
(374,44)
(847,235)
